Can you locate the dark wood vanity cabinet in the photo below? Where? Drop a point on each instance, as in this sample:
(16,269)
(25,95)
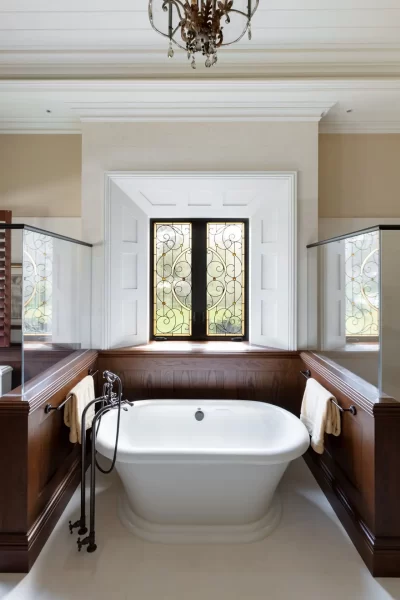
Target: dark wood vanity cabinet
(359,470)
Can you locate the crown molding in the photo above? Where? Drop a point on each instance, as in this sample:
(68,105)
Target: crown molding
(359,127)
(160,100)
(81,101)
(34,125)
(209,111)
(323,60)
(231,86)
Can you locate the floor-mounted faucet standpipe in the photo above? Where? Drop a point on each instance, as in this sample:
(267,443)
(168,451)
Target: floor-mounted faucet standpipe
(110,401)
(81,523)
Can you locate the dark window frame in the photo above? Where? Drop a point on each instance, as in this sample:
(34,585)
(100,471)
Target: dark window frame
(199,275)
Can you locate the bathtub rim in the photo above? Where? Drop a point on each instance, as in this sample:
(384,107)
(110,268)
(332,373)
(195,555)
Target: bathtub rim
(252,456)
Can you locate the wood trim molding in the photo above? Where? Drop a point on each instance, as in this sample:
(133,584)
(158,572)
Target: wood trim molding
(198,350)
(356,389)
(43,387)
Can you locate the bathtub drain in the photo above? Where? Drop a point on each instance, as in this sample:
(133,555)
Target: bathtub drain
(199,416)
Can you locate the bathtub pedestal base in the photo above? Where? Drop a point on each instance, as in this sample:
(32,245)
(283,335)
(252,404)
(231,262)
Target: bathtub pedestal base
(199,534)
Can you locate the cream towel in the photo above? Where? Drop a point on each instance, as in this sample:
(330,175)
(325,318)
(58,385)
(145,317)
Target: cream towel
(319,414)
(82,394)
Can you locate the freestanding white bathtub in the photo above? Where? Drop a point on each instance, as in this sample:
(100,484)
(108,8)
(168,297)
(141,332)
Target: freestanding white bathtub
(202,470)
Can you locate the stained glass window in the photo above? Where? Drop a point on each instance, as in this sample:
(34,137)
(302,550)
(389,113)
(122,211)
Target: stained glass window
(38,281)
(225,279)
(172,279)
(362,285)
(199,279)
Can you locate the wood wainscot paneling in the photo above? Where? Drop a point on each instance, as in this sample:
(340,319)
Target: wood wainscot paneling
(359,469)
(39,467)
(250,373)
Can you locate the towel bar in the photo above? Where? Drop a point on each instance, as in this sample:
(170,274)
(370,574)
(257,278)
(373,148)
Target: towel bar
(352,409)
(48,408)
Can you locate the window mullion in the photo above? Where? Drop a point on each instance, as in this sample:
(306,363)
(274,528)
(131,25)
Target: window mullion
(199,279)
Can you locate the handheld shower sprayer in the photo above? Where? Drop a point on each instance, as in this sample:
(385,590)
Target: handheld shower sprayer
(110,377)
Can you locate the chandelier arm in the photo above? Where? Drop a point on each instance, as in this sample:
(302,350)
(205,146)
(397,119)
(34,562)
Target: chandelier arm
(237,39)
(239,12)
(255,8)
(168,38)
(177,28)
(178,5)
(150,11)
(175,42)
(247,24)
(166,35)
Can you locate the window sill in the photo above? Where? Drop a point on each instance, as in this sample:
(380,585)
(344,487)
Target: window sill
(193,348)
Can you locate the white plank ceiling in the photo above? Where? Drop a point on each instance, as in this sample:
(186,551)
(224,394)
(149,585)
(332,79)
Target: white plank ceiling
(114,37)
(124,24)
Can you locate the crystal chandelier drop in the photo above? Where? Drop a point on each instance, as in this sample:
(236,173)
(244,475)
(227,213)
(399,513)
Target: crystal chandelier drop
(199,25)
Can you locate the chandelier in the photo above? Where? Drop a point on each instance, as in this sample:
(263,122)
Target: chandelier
(199,24)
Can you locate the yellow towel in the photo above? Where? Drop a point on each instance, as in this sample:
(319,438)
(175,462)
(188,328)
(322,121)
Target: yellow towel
(82,394)
(319,414)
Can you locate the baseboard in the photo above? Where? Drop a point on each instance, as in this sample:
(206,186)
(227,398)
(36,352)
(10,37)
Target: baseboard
(381,555)
(18,552)
(14,556)
(45,523)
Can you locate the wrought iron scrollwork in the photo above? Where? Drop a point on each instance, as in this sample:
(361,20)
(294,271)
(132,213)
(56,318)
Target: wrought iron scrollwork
(225,279)
(37,285)
(362,285)
(172,279)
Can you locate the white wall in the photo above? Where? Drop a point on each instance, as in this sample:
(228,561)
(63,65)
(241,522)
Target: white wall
(198,147)
(267,199)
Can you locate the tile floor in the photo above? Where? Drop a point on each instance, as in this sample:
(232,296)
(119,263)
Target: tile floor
(309,556)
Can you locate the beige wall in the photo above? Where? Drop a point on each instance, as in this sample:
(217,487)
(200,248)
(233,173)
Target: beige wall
(40,175)
(359,175)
